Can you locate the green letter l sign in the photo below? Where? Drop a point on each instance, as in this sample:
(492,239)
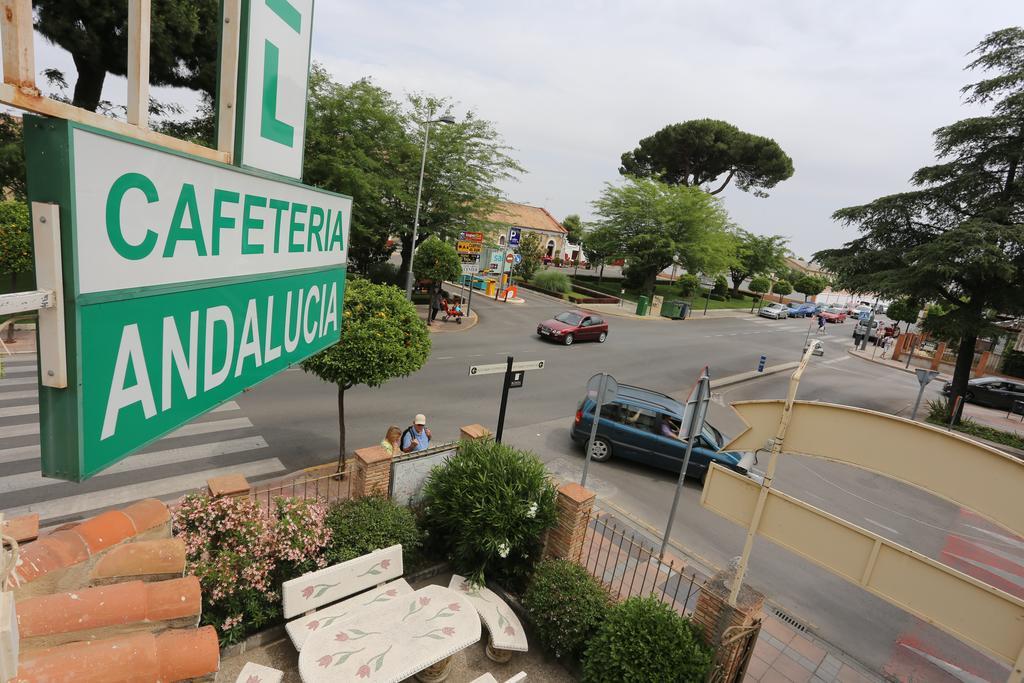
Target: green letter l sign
(270,127)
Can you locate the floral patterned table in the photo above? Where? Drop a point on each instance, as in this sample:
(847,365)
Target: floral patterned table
(393,641)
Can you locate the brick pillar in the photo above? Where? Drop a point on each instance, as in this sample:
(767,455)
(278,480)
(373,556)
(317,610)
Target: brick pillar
(937,358)
(715,615)
(573,506)
(372,472)
(474,431)
(982,367)
(898,346)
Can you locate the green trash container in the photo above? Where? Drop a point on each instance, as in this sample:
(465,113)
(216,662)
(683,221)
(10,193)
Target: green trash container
(675,309)
(643,305)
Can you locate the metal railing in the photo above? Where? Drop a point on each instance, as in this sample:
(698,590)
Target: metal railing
(325,488)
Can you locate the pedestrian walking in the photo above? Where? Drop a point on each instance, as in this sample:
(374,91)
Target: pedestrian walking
(392,440)
(417,437)
(821,324)
(435,304)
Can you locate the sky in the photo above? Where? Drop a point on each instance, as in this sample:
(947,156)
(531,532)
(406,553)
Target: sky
(851,91)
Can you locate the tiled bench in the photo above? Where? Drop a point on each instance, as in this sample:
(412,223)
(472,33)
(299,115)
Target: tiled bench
(312,594)
(257,673)
(489,678)
(506,632)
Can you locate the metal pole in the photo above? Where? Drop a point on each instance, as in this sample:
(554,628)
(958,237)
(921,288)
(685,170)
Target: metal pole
(867,332)
(910,354)
(695,428)
(707,300)
(416,219)
(920,393)
(598,404)
(469,301)
(504,400)
(780,436)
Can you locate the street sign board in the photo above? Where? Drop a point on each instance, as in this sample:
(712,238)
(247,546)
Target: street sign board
(470,267)
(516,381)
(467,236)
(468,247)
(185,282)
(519,258)
(510,257)
(513,237)
(272,77)
(925,376)
(495,368)
(698,399)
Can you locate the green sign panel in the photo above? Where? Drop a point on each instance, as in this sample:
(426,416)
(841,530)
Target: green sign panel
(185,282)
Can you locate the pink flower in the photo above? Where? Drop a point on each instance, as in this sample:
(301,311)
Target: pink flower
(364,671)
(392,593)
(448,631)
(341,637)
(325,661)
(510,631)
(307,592)
(454,607)
(384,564)
(313,625)
(424,601)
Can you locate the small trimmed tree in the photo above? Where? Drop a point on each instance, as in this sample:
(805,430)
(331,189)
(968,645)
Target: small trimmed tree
(904,310)
(381,338)
(809,286)
(436,261)
(15,245)
(759,285)
(782,288)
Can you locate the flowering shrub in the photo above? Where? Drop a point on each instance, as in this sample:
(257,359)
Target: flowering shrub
(566,605)
(486,509)
(241,556)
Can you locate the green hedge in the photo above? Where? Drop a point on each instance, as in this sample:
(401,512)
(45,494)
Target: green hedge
(566,606)
(552,281)
(363,525)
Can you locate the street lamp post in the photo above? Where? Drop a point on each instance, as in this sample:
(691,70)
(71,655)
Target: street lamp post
(419,193)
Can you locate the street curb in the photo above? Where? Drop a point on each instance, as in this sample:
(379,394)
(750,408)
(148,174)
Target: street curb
(880,361)
(753,374)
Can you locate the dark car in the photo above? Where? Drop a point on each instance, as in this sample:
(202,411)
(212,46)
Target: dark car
(995,392)
(631,428)
(574,326)
(802,310)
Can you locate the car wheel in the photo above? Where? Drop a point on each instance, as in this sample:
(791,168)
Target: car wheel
(600,450)
(602,338)
(569,339)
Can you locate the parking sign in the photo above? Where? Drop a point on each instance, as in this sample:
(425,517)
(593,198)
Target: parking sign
(513,237)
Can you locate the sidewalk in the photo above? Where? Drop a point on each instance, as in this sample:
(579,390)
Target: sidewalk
(441,326)
(627,310)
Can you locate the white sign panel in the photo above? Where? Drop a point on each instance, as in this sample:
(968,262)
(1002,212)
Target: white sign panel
(495,368)
(272,85)
(470,268)
(147,217)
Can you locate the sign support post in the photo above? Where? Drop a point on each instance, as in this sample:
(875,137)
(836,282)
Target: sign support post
(504,399)
(699,399)
(602,387)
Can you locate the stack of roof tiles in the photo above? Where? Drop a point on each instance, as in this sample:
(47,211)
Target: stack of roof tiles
(106,600)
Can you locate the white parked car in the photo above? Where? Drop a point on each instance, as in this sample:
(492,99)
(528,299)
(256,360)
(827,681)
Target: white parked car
(776,311)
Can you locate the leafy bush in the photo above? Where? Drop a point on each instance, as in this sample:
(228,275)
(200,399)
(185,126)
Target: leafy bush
(938,411)
(1013,363)
(642,639)
(938,414)
(566,605)
(552,281)
(721,287)
(382,273)
(688,284)
(363,525)
(485,509)
(718,297)
(241,556)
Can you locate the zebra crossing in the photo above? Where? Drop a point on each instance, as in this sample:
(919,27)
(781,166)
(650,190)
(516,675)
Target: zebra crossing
(220,442)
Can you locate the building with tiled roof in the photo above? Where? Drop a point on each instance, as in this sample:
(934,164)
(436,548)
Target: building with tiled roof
(530,219)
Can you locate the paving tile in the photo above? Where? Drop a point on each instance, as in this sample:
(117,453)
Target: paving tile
(792,670)
(777,629)
(756,669)
(773,676)
(848,674)
(765,651)
(808,649)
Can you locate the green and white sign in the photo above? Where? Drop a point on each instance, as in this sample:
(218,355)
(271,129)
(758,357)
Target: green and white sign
(185,281)
(272,80)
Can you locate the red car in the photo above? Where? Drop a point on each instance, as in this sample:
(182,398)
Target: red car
(834,314)
(573,326)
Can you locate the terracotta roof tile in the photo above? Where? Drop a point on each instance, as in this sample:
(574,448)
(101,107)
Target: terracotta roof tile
(105,530)
(142,558)
(21,529)
(526,216)
(188,653)
(173,599)
(147,514)
(35,560)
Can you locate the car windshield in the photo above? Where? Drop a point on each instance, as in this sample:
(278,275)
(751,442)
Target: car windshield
(569,318)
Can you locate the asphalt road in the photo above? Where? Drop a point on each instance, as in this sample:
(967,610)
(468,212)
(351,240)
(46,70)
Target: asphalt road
(290,422)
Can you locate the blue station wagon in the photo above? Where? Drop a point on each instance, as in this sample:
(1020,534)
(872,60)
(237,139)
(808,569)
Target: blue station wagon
(631,427)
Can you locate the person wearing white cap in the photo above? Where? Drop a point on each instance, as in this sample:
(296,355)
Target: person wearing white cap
(417,437)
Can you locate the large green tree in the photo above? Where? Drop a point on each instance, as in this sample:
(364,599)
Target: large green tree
(381,338)
(466,162)
(699,152)
(183,44)
(12,157)
(531,253)
(904,310)
(436,261)
(574,225)
(755,255)
(600,245)
(357,144)
(657,224)
(958,237)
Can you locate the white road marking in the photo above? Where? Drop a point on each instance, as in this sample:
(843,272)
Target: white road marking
(1008,540)
(16,395)
(17,381)
(881,526)
(84,502)
(445,357)
(187,430)
(29,480)
(836,360)
(1001,573)
(224,407)
(14,411)
(949,668)
(25,429)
